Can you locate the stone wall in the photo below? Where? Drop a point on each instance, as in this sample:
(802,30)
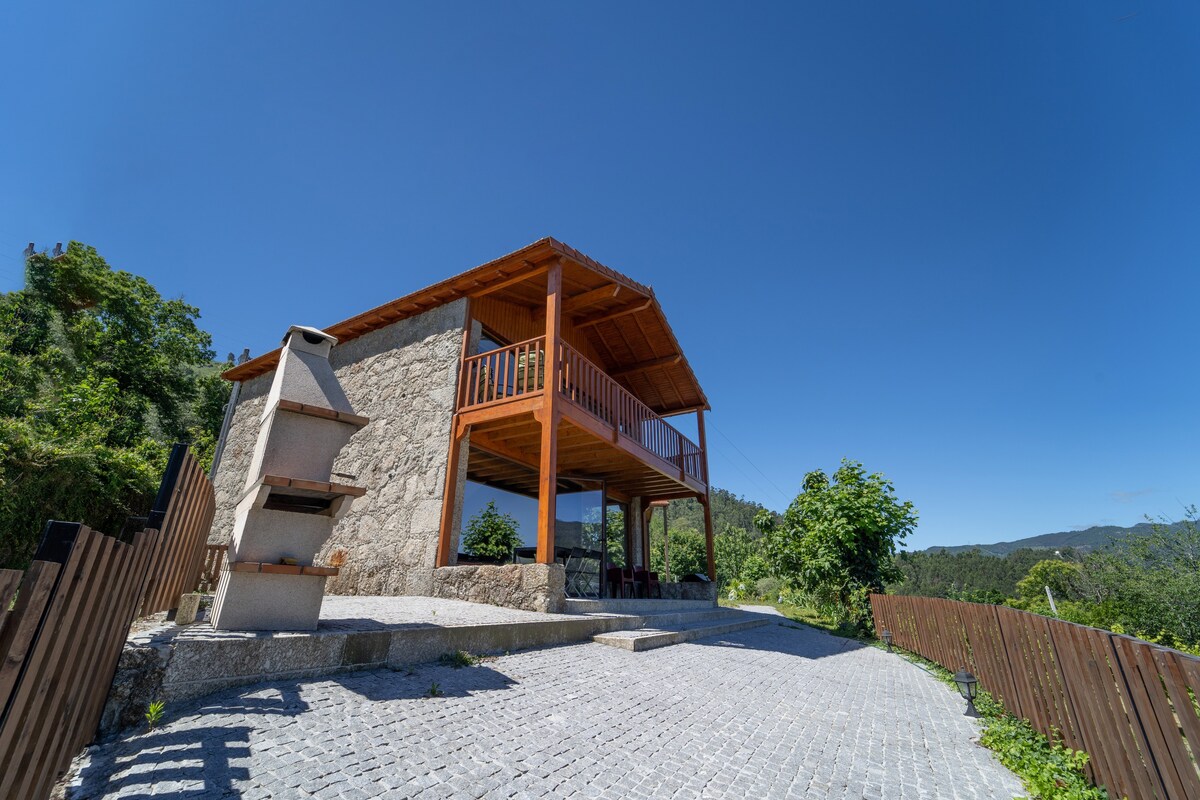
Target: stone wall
(532,587)
(700,590)
(403,378)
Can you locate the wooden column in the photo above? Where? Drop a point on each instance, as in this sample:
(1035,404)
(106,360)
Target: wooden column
(454,459)
(708,526)
(549,417)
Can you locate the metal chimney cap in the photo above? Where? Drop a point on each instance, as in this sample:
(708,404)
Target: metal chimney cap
(313,336)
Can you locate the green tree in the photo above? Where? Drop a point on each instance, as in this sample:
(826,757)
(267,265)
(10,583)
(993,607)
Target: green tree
(614,535)
(100,374)
(732,548)
(686,552)
(491,534)
(1150,584)
(1063,578)
(837,540)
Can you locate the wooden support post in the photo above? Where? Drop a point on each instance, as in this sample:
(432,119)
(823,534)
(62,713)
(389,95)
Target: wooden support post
(550,417)
(708,526)
(458,432)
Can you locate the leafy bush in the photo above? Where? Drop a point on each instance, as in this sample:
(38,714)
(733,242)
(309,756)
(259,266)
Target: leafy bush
(768,588)
(1048,768)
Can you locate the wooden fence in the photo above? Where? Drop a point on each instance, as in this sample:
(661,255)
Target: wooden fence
(60,643)
(183,512)
(64,621)
(1133,706)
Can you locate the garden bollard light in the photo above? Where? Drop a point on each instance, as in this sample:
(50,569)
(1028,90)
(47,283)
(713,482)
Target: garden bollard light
(967,686)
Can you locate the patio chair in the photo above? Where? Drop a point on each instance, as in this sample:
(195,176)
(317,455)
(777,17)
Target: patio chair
(627,580)
(575,572)
(618,579)
(648,581)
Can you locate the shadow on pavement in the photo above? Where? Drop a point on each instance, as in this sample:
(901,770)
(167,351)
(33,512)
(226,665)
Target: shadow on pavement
(196,746)
(197,754)
(785,636)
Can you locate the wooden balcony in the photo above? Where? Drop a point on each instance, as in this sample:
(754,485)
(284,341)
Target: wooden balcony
(638,452)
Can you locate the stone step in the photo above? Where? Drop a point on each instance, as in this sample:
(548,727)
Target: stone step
(640,607)
(650,638)
(678,618)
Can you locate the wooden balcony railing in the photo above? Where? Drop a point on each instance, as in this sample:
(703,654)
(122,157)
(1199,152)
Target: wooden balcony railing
(588,386)
(518,370)
(504,374)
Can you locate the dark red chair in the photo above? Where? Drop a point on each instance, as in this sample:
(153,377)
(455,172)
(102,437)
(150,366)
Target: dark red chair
(628,580)
(649,582)
(618,579)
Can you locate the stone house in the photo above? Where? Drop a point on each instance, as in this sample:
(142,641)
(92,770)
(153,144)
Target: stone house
(541,374)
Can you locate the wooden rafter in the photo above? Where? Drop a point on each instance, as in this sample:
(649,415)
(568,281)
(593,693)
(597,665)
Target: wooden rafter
(621,312)
(605,292)
(518,277)
(653,363)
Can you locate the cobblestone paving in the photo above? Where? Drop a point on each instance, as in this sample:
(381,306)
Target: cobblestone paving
(774,712)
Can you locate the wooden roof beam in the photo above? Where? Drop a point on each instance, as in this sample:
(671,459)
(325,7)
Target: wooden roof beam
(509,280)
(605,292)
(653,363)
(633,309)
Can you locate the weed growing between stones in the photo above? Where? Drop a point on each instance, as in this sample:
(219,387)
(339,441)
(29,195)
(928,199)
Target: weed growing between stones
(459,659)
(435,690)
(154,713)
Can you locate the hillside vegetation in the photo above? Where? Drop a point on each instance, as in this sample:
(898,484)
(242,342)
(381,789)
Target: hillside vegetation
(1084,540)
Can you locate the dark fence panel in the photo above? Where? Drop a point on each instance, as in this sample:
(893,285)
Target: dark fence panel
(59,646)
(1132,705)
(183,512)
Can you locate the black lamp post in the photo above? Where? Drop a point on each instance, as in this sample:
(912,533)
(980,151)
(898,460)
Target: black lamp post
(968,686)
(887,639)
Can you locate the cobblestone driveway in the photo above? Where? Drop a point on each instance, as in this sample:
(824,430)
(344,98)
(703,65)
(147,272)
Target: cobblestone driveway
(778,711)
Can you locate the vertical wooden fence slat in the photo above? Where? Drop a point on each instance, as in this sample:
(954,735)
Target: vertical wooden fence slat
(21,626)
(1130,704)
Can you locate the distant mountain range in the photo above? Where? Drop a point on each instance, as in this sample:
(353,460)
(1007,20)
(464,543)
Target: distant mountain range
(1084,540)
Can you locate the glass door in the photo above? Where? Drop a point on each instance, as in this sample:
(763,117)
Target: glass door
(579,526)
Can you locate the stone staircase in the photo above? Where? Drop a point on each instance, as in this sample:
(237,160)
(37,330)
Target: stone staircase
(663,629)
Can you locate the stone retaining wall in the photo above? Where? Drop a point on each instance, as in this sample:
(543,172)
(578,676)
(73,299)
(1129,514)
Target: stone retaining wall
(530,587)
(689,591)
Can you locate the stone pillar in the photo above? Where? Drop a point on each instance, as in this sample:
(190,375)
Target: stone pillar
(638,551)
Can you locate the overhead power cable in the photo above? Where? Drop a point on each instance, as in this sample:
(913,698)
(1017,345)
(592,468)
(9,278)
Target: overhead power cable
(767,478)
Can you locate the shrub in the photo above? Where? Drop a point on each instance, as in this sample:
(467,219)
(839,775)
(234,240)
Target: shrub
(768,588)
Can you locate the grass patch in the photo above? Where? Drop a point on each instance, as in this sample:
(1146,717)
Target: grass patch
(810,617)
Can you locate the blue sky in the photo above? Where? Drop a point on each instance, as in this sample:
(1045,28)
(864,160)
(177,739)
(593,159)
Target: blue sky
(957,242)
